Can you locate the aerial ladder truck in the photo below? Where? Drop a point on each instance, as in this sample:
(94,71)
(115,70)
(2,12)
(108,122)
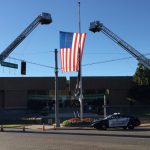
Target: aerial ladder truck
(96,26)
(44,18)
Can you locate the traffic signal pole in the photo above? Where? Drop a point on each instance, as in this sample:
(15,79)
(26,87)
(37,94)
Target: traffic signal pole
(57,121)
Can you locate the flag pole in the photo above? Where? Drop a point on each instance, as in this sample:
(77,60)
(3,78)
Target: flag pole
(80,70)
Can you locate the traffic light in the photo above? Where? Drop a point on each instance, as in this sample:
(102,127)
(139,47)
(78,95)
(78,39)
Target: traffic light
(23,67)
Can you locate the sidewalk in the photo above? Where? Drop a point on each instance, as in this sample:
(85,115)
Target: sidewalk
(52,127)
(40,127)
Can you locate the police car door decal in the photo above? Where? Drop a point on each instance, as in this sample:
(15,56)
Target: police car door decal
(118,122)
(112,122)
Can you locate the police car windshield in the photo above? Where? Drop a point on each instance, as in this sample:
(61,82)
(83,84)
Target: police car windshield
(113,115)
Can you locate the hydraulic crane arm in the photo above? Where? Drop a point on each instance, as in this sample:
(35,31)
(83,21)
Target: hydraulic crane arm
(43,18)
(96,26)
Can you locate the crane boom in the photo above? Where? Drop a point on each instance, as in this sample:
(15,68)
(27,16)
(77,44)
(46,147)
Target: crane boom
(44,18)
(96,26)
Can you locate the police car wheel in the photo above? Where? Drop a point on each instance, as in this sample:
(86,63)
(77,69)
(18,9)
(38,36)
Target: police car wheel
(97,127)
(104,127)
(131,126)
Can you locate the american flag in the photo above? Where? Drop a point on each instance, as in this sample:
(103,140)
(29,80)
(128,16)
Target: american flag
(69,50)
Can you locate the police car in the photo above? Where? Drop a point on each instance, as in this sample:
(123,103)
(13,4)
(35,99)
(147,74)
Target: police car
(116,120)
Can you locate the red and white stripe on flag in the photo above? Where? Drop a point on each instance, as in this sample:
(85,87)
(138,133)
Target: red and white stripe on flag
(70,56)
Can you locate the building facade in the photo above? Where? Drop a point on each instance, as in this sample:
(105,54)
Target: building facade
(39,92)
(17,92)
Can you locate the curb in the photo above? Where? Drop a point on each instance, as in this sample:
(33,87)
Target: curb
(145,125)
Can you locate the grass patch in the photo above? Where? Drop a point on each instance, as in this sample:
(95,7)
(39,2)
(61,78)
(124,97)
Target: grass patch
(13,126)
(148,114)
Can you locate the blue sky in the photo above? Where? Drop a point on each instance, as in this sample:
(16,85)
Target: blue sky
(129,19)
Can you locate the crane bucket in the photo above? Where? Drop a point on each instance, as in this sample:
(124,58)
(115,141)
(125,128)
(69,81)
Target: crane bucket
(95,26)
(45,18)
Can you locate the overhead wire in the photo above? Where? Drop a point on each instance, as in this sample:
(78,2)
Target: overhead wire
(112,60)
(84,65)
(106,61)
(36,53)
(86,53)
(32,63)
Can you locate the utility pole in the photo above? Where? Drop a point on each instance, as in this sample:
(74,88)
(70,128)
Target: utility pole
(57,122)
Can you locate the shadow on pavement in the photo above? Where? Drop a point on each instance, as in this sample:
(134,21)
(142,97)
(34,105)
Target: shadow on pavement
(126,130)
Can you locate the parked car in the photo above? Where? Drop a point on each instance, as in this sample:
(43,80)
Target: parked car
(116,120)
